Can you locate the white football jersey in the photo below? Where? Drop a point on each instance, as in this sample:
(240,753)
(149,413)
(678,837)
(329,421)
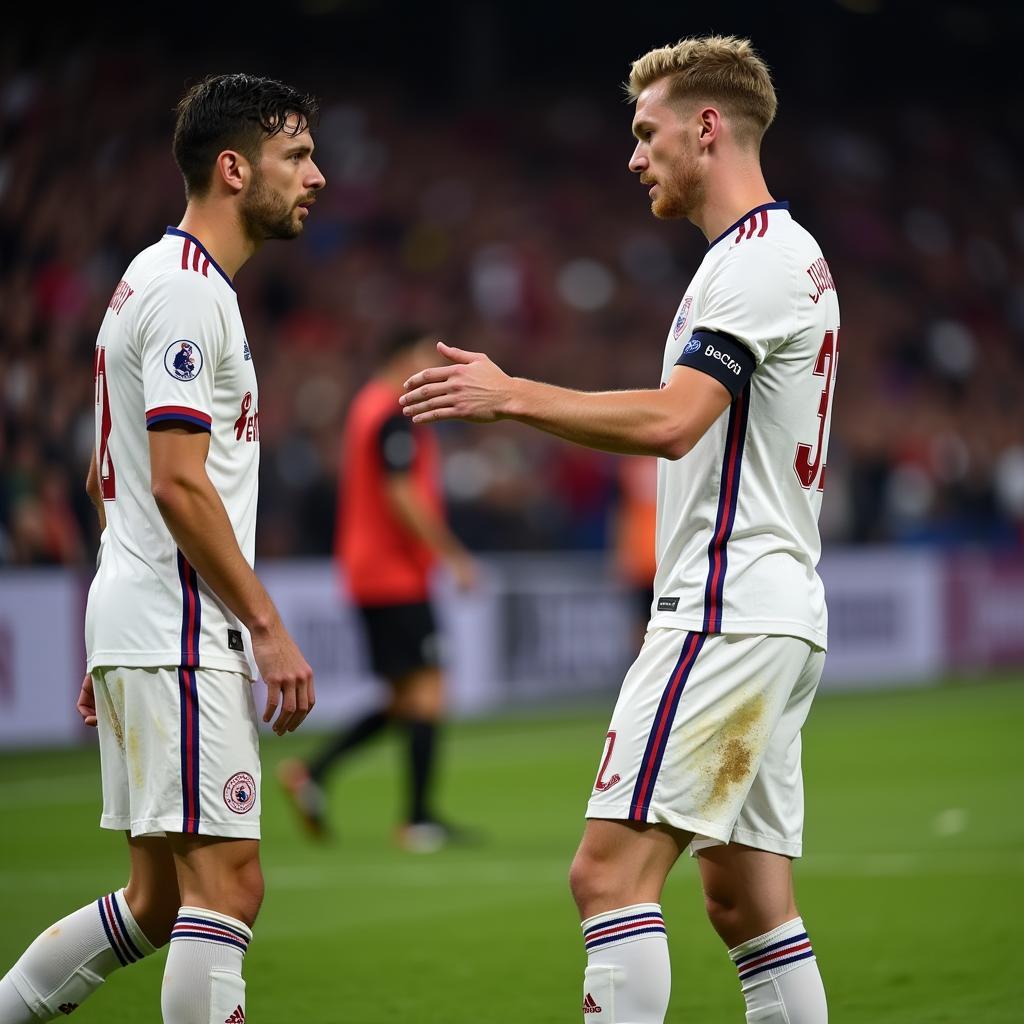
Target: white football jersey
(171,348)
(738,538)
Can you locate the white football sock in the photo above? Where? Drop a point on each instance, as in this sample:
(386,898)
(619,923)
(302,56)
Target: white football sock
(780,979)
(203,975)
(70,960)
(628,976)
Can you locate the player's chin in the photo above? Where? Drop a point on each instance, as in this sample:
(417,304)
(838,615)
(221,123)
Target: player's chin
(664,209)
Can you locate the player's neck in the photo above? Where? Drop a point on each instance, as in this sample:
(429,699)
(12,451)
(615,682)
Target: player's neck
(728,198)
(218,229)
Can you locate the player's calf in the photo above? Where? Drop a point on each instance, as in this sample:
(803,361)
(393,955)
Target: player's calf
(203,981)
(70,960)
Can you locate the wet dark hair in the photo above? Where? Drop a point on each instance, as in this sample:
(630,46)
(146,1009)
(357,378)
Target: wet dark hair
(233,112)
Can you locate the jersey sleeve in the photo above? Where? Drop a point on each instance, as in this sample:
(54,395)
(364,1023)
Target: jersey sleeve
(749,297)
(182,333)
(396,444)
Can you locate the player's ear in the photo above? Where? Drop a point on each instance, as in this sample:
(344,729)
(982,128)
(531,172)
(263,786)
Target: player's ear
(709,123)
(233,169)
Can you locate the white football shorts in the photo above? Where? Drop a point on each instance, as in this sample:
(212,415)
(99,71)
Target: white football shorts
(705,737)
(179,751)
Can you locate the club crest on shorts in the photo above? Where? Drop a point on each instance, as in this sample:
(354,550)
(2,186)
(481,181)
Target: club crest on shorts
(681,317)
(183,359)
(240,792)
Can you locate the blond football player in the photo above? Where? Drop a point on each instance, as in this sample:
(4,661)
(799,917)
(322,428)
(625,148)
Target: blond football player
(703,749)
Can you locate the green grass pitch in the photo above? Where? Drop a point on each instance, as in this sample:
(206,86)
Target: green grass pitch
(911,888)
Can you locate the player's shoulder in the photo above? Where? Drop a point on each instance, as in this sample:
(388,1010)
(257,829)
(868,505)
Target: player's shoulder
(372,406)
(766,244)
(178,267)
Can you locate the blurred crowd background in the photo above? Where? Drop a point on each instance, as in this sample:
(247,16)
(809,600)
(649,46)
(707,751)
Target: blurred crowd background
(477,185)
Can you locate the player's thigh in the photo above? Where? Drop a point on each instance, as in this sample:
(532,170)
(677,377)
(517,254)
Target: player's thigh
(402,639)
(694,717)
(772,815)
(109,692)
(219,874)
(619,863)
(191,752)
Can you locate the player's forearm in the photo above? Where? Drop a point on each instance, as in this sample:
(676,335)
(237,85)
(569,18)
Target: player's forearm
(624,422)
(198,522)
(92,488)
(421,520)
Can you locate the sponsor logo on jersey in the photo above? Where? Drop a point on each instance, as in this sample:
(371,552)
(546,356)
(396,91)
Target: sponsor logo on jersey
(240,792)
(691,346)
(590,1005)
(726,360)
(235,640)
(681,317)
(183,360)
(247,425)
(668,604)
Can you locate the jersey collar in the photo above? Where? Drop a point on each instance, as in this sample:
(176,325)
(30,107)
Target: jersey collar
(784,205)
(202,248)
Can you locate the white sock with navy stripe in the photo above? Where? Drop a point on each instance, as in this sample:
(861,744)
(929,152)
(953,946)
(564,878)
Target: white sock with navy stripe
(203,975)
(628,976)
(70,960)
(780,979)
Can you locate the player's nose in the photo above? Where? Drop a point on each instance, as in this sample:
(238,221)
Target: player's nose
(315,180)
(638,161)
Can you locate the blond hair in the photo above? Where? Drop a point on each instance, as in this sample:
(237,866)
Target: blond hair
(723,69)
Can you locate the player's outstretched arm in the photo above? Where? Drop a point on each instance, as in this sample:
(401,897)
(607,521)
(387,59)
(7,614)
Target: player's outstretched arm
(199,524)
(666,423)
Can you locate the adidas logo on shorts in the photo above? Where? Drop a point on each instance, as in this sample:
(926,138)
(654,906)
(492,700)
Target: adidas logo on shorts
(590,1005)
(237,1016)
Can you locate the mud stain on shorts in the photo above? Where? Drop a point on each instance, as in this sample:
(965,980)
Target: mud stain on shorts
(133,750)
(735,752)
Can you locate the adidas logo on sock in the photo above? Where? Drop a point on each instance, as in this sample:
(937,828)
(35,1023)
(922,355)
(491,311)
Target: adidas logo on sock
(589,1005)
(237,1016)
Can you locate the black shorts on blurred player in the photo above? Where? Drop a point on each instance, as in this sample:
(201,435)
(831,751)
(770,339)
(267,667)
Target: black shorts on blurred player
(402,638)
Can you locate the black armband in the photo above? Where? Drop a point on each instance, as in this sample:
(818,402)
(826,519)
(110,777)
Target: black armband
(720,356)
(396,444)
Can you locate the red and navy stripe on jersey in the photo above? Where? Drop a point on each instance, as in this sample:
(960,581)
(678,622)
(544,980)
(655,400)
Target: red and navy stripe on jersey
(657,740)
(754,224)
(195,257)
(718,555)
(191,626)
(163,413)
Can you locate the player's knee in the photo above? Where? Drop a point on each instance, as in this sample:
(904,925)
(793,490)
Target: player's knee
(592,883)
(724,913)
(248,897)
(154,909)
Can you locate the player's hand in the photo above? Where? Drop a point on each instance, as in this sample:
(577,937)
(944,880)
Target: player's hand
(464,571)
(87,702)
(472,388)
(288,677)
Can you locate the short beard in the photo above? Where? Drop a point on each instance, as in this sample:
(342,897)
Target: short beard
(679,197)
(266,214)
